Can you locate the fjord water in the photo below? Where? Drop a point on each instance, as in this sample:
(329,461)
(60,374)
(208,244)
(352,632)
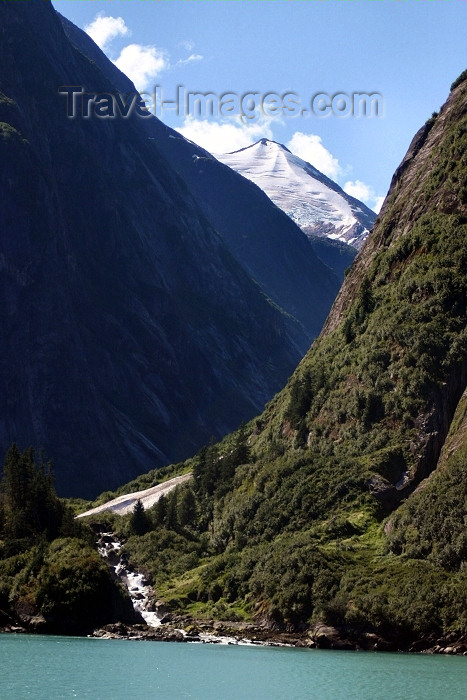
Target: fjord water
(66,667)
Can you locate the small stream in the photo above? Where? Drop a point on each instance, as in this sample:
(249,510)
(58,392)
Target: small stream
(139,590)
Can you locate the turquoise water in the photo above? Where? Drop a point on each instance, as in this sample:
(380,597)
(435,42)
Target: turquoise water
(68,667)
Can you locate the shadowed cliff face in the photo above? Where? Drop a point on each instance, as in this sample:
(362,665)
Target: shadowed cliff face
(130,333)
(266,242)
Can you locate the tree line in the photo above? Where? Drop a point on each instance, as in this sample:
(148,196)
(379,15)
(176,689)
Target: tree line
(29,506)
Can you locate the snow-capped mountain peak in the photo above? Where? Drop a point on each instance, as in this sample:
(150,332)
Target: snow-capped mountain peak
(317,204)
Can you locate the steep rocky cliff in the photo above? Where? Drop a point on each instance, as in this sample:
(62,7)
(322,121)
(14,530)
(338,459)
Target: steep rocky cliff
(130,332)
(415,265)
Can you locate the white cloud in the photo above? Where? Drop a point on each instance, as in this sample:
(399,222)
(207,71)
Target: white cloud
(227,135)
(378,204)
(309,147)
(103,30)
(191,58)
(187,45)
(365,193)
(142,64)
(359,190)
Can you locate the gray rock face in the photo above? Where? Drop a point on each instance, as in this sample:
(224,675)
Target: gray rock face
(131,333)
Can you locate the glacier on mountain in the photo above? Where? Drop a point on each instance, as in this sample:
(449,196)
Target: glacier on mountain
(317,204)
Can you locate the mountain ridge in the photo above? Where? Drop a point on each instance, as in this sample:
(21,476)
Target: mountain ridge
(291,274)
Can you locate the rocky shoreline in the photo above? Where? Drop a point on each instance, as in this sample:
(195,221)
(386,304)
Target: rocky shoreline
(183,629)
(316,637)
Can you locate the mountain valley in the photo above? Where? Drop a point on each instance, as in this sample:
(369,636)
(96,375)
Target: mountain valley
(343,504)
(335,515)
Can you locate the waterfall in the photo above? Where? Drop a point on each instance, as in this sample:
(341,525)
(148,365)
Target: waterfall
(139,590)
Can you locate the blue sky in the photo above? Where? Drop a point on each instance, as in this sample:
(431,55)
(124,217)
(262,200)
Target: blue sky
(409,51)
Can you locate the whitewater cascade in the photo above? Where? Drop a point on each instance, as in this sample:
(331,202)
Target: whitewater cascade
(139,590)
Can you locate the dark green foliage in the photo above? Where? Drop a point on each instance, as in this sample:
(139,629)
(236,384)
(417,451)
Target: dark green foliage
(372,409)
(176,511)
(73,584)
(139,521)
(303,389)
(295,577)
(159,511)
(407,598)
(365,300)
(187,508)
(213,472)
(206,470)
(171,519)
(28,501)
(301,396)
(48,562)
(65,580)
(460,79)
(431,525)
(163,553)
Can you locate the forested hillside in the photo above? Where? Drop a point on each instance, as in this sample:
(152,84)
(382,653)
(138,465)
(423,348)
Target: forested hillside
(51,577)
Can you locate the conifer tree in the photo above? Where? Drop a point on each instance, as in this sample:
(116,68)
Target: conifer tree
(139,523)
(172,514)
(159,511)
(187,509)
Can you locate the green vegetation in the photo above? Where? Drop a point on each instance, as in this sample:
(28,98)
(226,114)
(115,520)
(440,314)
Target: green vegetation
(29,507)
(432,524)
(460,79)
(297,517)
(48,563)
